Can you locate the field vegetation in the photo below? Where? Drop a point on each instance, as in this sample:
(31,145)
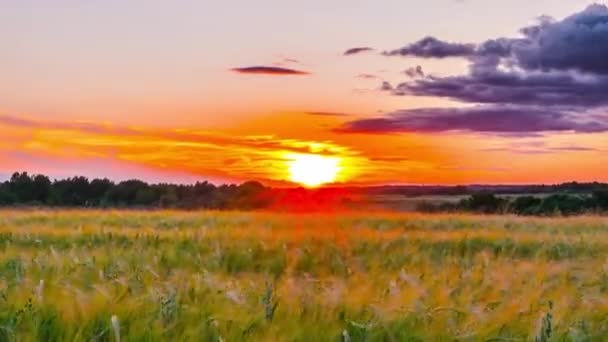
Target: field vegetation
(85,275)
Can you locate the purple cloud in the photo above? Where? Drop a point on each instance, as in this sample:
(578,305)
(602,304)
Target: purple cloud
(510,87)
(486,119)
(357,50)
(269,70)
(414,72)
(552,78)
(556,62)
(431,47)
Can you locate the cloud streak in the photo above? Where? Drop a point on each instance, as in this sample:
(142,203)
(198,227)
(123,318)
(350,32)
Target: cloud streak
(357,50)
(269,70)
(431,47)
(486,119)
(192,151)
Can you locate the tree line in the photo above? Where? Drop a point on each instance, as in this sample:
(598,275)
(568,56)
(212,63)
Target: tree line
(38,190)
(23,189)
(554,204)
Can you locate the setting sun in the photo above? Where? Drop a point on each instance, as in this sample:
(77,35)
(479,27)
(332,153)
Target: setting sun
(313,170)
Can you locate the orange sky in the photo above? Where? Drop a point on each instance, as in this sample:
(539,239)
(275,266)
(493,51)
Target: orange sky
(259,149)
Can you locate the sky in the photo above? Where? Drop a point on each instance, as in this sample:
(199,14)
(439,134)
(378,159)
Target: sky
(400,92)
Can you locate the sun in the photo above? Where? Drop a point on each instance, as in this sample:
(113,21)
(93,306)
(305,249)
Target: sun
(313,170)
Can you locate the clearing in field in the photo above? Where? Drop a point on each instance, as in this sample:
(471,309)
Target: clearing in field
(109,275)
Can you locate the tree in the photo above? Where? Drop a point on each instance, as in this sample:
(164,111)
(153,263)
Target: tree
(6,196)
(98,191)
(71,192)
(600,199)
(526,205)
(484,203)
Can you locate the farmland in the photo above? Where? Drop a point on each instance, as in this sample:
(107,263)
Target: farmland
(233,276)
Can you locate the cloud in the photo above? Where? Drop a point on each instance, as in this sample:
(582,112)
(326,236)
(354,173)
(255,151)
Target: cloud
(552,77)
(291,60)
(579,42)
(269,70)
(191,151)
(431,47)
(283,61)
(386,86)
(414,72)
(484,119)
(512,87)
(357,50)
(80,126)
(366,76)
(540,149)
(554,63)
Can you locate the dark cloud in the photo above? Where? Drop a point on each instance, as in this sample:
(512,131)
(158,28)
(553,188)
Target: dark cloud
(269,70)
(386,86)
(486,119)
(414,72)
(431,47)
(553,77)
(357,50)
(579,42)
(497,86)
(556,62)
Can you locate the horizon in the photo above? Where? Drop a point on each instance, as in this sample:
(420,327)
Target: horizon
(7,177)
(371,95)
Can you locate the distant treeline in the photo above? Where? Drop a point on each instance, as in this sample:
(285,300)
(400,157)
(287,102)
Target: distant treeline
(443,190)
(23,189)
(39,190)
(555,204)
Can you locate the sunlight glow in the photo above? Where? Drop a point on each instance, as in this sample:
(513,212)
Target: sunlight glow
(312,170)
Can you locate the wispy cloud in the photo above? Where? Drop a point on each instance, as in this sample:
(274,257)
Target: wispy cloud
(414,72)
(489,119)
(431,47)
(357,50)
(366,76)
(191,151)
(269,70)
(540,150)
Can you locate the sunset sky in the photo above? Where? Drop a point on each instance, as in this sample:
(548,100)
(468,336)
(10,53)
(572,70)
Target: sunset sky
(398,92)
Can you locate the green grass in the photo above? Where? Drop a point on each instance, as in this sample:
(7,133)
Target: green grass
(181,276)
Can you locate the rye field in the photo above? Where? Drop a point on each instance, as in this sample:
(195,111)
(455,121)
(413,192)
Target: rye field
(70,275)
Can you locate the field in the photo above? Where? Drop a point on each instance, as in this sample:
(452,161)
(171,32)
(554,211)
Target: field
(211,276)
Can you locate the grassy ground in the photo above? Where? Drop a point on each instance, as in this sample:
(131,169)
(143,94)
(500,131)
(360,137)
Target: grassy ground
(147,276)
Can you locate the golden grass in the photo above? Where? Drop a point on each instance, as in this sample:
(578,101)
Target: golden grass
(171,275)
